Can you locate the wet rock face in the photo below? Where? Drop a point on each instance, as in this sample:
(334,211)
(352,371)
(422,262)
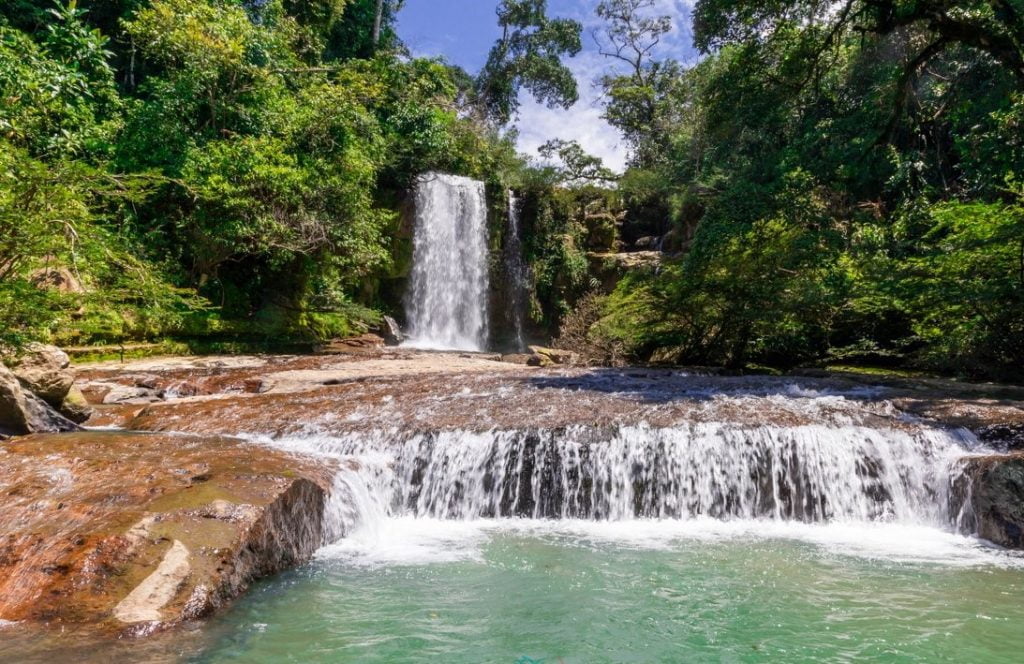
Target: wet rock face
(989,496)
(1006,437)
(135,532)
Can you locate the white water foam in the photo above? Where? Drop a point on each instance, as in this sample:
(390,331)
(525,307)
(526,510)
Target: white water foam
(412,541)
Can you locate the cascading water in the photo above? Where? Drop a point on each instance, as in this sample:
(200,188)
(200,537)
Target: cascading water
(446,304)
(810,473)
(517,273)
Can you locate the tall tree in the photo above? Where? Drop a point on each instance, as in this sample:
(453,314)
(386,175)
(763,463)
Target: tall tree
(631,33)
(529,55)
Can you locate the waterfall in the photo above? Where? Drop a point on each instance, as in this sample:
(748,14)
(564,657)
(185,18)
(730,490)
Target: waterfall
(446,303)
(516,272)
(811,473)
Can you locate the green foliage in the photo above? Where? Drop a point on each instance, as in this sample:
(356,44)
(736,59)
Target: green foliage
(834,180)
(529,55)
(215,168)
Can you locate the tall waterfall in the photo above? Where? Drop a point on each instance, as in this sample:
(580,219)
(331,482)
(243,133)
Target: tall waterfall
(810,473)
(516,273)
(446,303)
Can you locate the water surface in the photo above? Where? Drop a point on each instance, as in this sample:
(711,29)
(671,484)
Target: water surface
(419,590)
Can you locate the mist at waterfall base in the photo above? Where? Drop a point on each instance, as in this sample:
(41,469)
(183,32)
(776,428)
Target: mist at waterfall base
(691,543)
(446,303)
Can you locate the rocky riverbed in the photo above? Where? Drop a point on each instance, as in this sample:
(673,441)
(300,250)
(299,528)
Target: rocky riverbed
(164,514)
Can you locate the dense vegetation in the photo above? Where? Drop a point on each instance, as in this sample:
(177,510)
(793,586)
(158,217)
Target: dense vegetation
(229,168)
(843,182)
(830,183)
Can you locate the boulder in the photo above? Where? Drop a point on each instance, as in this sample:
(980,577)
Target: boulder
(14,413)
(989,496)
(364,344)
(133,533)
(125,394)
(1004,436)
(46,372)
(554,355)
(391,332)
(59,279)
(538,360)
(648,243)
(75,406)
(22,412)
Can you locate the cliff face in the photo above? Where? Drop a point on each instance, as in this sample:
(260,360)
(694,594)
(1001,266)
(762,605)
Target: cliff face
(135,532)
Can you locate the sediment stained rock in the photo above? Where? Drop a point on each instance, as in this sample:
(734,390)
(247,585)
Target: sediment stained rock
(136,532)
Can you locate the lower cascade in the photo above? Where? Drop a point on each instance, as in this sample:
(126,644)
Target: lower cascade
(802,473)
(446,303)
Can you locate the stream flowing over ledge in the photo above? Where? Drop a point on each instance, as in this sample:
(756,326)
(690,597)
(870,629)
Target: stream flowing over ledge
(242,467)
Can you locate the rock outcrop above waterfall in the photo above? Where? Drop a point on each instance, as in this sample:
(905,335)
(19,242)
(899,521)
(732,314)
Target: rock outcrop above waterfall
(990,498)
(135,532)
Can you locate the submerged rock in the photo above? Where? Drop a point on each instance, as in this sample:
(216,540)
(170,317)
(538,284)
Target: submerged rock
(136,532)
(989,497)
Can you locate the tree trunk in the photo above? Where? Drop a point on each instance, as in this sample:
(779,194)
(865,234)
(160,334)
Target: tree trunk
(376,23)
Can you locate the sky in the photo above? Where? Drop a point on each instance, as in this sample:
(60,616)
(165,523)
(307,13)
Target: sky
(463,32)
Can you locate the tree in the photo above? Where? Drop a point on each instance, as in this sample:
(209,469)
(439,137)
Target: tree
(529,55)
(630,37)
(576,166)
(993,27)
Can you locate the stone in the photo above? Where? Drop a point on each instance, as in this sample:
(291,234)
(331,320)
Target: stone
(517,358)
(648,243)
(59,279)
(14,413)
(130,533)
(75,406)
(1007,436)
(990,497)
(45,371)
(125,394)
(22,412)
(554,355)
(538,360)
(391,332)
(361,345)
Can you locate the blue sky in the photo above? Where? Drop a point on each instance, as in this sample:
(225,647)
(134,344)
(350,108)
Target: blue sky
(463,31)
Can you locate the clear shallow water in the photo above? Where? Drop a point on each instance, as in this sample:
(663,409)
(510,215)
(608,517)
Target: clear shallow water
(420,590)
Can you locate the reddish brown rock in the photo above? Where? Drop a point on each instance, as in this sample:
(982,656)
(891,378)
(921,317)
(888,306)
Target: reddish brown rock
(135,532)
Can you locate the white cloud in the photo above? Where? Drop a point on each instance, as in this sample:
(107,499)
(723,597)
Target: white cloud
(583,122)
